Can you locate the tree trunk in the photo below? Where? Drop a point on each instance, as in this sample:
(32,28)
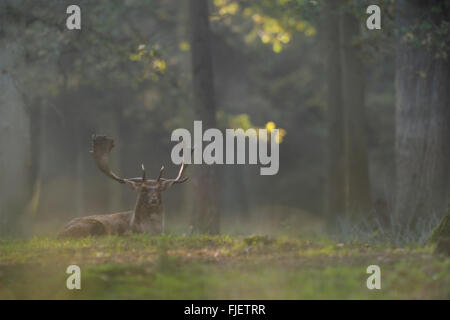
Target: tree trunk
(37,154)
(336,191)
(14,146)
(79,171)
(114,189)
(205,216)
(422,123)
(241,192)
(357,167)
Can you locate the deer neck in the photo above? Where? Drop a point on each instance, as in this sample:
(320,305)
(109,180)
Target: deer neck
(147,218)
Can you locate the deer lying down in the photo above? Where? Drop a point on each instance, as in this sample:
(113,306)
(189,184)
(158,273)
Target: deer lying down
(148,214)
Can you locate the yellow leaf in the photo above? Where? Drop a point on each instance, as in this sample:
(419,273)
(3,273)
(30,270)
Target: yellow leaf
(265,38)
(310,31)
(159,64)
(185,46)
(280,135)
(301,26)
(284,37)
(257,18)
(231,9)
(240,121)
(270,126)
(135,57)
(276,47)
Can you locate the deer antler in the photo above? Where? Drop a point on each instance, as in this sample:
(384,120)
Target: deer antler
(143,172)
(160,173)
(178,178)
(180,173)
(102,146)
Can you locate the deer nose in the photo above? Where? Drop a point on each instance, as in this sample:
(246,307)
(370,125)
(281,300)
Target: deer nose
(153,200)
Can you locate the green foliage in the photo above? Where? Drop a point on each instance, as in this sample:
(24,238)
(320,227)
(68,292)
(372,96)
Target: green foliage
(432,31)
(442,230)
(274,23)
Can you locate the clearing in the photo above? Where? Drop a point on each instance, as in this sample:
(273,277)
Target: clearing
(218,267)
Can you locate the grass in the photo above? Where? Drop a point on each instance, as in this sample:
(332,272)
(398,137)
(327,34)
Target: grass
(218,267)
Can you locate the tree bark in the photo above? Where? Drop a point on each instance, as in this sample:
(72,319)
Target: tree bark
(37,115)
(357,166)
(14,146)
(114,189)
(80,147)
(422,122)
(336,190)
(205,217)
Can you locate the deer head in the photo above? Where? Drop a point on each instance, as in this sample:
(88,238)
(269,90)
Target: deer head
(149,190)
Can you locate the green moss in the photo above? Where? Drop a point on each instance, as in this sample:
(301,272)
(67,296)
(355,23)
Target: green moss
(258,239)
(442,230)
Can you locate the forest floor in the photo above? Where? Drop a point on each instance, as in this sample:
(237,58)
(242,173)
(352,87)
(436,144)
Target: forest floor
(218,267)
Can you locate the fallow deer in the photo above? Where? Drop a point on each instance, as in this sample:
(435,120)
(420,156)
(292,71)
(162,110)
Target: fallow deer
(148,214)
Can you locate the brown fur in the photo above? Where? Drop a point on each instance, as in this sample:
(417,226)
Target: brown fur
(96,225)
